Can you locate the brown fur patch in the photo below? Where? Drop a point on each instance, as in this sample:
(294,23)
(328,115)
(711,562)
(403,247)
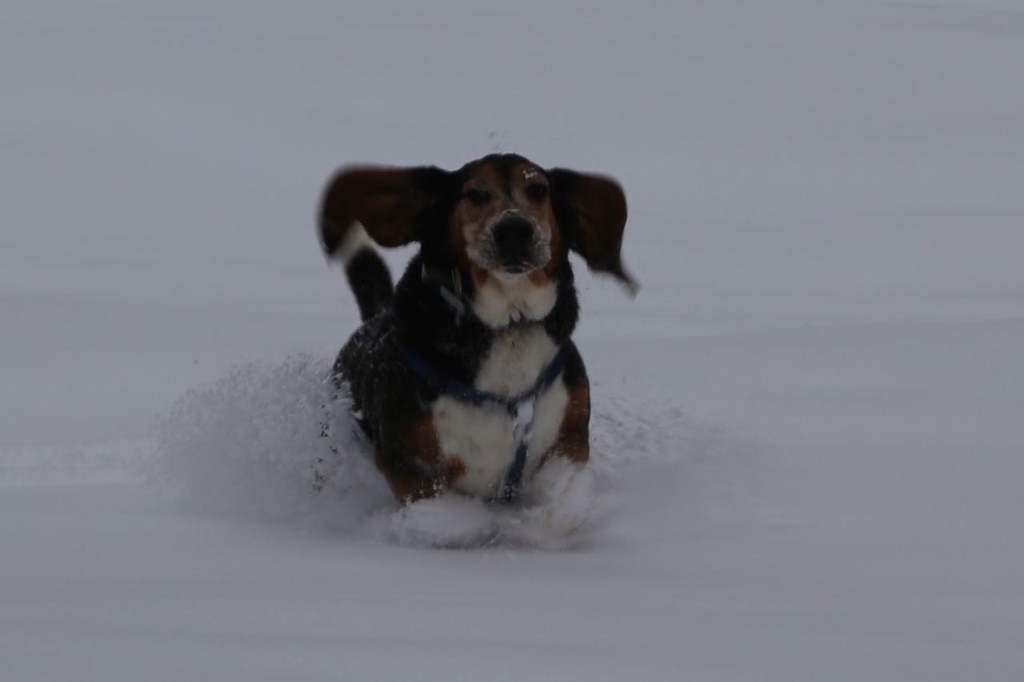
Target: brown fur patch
(543,277)
(574,433)
(422,472)
(469,216)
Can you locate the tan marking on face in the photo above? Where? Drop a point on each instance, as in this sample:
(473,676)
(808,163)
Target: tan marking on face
(482,197)
(542,276)
(478,275)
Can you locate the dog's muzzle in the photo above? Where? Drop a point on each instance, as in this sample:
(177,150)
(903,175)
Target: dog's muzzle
(516,245)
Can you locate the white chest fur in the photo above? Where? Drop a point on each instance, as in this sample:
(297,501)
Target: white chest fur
(503,300)
(482,438)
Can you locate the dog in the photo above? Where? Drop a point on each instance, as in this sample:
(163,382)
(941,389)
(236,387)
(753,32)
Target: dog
(464,378)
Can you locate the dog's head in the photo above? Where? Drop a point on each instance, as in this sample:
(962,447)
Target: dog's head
(501,220)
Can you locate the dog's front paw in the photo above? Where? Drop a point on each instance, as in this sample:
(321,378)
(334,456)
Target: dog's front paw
(564,495)
(446,521)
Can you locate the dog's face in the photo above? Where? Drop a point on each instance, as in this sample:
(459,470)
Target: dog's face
(502,221)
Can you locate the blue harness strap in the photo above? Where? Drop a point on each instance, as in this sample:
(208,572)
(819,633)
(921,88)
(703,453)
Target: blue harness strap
(520,408)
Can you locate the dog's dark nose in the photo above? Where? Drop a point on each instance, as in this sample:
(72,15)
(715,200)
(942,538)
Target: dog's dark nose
(513,237)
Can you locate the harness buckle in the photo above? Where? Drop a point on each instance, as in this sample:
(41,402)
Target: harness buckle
(522,420)
(523,413)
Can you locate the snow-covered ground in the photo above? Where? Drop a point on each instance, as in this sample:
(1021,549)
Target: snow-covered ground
(809,437)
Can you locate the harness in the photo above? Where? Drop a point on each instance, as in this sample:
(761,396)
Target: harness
(520,408)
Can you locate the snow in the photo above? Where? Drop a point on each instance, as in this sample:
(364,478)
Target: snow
(807,442)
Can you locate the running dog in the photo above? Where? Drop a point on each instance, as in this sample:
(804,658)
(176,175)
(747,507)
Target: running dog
(465,377)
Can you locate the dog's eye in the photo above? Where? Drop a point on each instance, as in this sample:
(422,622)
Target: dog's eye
(536,191)
(478,196)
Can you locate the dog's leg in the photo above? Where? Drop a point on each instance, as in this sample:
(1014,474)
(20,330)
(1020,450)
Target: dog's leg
(411,461)
(410,479)
(407,484)
(562,493)
(562,488)
(574,433)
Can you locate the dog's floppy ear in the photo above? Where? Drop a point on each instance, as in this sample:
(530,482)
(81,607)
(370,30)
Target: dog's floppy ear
(389,203)
(591,210)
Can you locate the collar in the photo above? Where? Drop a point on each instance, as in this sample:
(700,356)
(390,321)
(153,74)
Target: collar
(520,408)
(452,295)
